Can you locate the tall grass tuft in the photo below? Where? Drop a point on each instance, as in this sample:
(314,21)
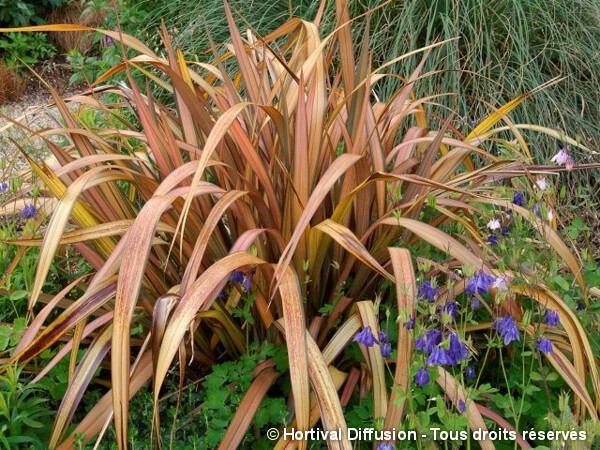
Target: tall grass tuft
(505,48)
(276,172)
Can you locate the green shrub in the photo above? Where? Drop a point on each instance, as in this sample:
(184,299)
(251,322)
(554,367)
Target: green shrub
(24,12)
(24,415)
(27,48)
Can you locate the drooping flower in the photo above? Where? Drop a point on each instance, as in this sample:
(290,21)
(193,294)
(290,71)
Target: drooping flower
(421,378)
(480,282)
(410,323)
(561,157)
(451,308)
(508,330)
(429,340)
(439,356)
(518,198)
(427,291)
(383,337)
(236,277)
(457,349)
(3,187)
(28,212)
(570,163)
(504,231)
(365,337)
(109,40)
(541,183)
(461,406)
(545,346)
(386,349)
(501,283)
(552,318)
(492,239)
(247,283)
(494,224)
(421,343)
(385,446)
(470,372)
(475,303)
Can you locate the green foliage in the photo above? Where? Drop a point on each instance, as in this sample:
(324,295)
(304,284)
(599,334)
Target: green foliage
(130,17)
(86,69)
(10,334)
(198,416)
(28,48)
(25,418)
(24,12)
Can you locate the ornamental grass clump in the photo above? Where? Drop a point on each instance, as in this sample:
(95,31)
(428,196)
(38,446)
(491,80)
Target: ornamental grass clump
(274,183)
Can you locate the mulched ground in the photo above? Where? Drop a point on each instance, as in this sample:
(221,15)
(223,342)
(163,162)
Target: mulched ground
(54,72)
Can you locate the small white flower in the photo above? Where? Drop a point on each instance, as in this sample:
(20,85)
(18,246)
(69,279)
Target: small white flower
(501,283)
(561,157)
(550,215)
(494,224)
(541,183)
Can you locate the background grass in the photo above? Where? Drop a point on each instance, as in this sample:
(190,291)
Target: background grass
(506,47)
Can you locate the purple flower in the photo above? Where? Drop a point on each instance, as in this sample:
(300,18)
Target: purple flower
(470,372)
(421,378)
(518,198)
(501,283)
(3,187)
(551,318)
(492,239)
(440,356)
(236,277)
(427,291)
(508,330)
(480,282)
(410,323)
(537,210)
(365,337)
(247,283)
(475,303)
(28,212)
(461,406)
(457,350)
(108,40)
(385,446)
(545,346)
(386,349)
(383,337)
(451,308)
(569,163)
(429,340)
(504,231)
